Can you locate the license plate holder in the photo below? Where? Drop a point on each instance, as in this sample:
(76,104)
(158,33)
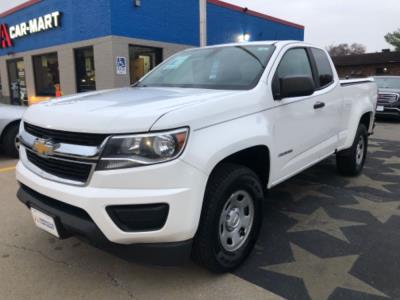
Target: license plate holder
(45,222)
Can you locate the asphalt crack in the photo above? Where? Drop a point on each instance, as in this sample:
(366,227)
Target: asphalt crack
(119,284)
(37,252)
(111,278)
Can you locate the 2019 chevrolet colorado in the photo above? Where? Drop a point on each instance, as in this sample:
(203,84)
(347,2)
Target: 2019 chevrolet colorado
(179,163)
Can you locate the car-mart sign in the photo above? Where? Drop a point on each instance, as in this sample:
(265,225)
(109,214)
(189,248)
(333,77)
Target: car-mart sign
(43,23)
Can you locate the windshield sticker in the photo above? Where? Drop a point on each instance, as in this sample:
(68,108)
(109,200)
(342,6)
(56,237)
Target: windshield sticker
(263,49)
(214,70)
(176,62)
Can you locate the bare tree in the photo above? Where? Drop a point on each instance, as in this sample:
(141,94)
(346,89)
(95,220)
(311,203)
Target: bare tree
(346,49)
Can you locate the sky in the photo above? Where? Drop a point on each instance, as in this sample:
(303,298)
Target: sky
(336,21)
(326,22)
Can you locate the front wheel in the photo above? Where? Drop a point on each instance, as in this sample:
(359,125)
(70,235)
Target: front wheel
(350,162)
(11,141)
(231,218)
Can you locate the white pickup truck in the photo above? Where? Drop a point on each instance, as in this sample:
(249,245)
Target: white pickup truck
(180,162)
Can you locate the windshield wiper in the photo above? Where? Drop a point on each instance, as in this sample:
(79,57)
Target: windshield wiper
(252,55)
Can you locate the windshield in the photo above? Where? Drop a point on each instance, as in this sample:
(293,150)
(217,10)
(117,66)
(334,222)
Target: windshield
(388,83)
(231,68)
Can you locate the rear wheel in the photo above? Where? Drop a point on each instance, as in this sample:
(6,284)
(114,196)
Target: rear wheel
(11,141)
(231,218)
(350,162)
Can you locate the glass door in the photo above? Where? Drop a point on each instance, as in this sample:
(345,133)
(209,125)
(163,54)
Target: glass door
(142,60)
(85,70)
(17,81)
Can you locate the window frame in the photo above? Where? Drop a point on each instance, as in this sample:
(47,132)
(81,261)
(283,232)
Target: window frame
(159,58)
(34,72)
(8,62)
(309,57)
(77,83)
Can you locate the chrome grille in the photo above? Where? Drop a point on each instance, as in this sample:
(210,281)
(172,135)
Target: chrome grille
(387,98)
(73,156)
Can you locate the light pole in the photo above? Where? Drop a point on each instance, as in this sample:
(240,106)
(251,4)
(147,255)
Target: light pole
(203,22)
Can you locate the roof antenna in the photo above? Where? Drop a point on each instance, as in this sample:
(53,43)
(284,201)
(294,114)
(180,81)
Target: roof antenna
(245,9)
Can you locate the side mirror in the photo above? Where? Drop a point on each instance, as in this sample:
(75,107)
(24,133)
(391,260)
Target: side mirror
(294,86)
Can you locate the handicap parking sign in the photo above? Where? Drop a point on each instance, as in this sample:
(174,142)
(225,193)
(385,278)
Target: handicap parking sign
(121,65)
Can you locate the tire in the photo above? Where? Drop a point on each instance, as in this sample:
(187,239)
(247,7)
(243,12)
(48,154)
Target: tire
(350,162)
(9,141)
(232,208)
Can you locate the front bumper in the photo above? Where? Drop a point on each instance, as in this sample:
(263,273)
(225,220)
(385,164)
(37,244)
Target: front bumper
(389,111)
(176,184)
(73,221)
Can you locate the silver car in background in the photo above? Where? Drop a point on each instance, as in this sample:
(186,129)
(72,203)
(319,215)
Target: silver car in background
(10,118)
(389,96)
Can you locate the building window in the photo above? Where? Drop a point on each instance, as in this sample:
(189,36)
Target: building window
(85,70)
(142,60)
(47,75)
(16,77)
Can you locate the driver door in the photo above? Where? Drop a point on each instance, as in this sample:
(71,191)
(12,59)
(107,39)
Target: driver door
(298,121)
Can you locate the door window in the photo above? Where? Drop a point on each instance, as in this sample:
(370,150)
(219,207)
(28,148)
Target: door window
(324,69)
(295,62)
(16,76)
(142,60)
(85,70)
(47,76)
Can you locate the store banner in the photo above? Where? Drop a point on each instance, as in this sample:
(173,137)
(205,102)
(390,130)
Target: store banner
(35,25)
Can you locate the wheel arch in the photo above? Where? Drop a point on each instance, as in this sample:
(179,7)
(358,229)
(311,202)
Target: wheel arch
(256,158)
(366,118)
(7,127)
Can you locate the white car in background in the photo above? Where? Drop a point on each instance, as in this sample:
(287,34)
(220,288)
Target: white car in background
(10,118)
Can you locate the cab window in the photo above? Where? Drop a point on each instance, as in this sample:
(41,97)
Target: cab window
(323,66)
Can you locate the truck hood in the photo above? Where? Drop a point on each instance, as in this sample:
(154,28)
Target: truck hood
(123,110)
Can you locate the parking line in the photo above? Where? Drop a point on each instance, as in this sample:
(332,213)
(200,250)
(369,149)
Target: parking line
(7,169)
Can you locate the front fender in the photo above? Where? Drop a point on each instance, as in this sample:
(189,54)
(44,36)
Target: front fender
(210,145)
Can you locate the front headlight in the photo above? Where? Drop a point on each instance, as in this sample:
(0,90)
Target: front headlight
(130,151)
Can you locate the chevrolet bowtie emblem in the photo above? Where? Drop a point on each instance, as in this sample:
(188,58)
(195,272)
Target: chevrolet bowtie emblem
(44,147)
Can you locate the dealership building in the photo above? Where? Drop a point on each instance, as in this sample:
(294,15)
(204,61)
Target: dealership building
(50,48)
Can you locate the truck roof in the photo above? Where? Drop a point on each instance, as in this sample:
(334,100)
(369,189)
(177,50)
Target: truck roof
(277,43)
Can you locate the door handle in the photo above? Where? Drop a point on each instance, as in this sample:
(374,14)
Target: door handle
(319,105)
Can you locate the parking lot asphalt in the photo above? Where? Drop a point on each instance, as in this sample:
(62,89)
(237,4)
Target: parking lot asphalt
(324,237)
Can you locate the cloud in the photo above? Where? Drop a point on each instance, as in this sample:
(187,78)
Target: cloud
(6,5)
(338,21)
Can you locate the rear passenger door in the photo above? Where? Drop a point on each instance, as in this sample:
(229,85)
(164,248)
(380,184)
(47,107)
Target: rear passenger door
(330,96)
